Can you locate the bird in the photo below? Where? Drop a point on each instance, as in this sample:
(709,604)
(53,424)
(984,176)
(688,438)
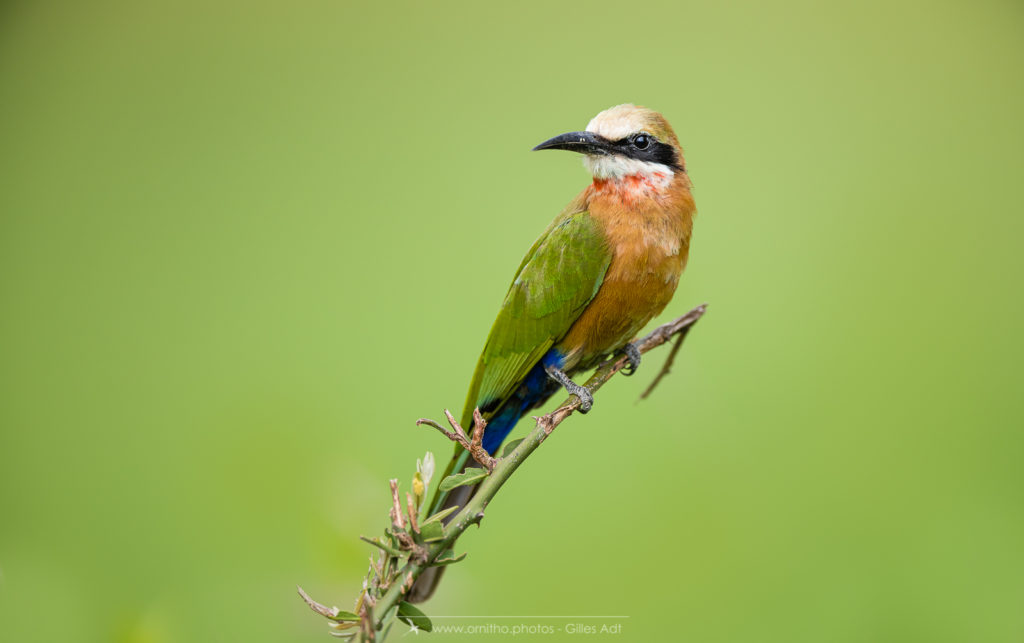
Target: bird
(606,266)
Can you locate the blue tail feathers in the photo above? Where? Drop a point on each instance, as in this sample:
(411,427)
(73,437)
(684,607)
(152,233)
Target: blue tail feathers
(534,390)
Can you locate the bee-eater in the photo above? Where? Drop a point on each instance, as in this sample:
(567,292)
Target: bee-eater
(603,269)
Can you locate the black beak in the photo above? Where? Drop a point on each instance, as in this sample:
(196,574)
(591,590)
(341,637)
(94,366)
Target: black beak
(582,142)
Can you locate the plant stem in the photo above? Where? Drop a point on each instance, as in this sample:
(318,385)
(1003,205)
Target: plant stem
(473,512)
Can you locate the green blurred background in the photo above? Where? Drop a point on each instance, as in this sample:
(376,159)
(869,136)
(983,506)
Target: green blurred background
(243,246)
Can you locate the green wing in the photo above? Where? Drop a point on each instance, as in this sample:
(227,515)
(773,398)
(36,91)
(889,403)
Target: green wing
(557,279)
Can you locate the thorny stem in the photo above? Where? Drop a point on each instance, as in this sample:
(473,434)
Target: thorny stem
(375,613)
(473,512)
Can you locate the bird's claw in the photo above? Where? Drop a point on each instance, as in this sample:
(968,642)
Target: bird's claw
(586,398)
(572,388)
(633,358)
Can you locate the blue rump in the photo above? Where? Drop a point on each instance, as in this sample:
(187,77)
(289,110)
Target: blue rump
(533,390)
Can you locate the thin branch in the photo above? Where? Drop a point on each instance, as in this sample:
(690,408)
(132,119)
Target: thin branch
(396,509)
(411,512)
(381,546)
(368,625)
(665,368)
(388,584)
(476,447)
(506,465)
(319,608)
(672,353)
(457,434)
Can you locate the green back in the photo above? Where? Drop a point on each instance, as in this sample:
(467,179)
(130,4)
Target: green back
(558,278)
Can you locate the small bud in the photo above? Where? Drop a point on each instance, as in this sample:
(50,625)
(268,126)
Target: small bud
(426,467)
(417,486)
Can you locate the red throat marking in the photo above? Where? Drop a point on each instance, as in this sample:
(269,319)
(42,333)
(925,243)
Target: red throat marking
(630,186)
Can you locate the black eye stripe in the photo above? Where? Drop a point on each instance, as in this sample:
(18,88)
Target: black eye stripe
(655,152)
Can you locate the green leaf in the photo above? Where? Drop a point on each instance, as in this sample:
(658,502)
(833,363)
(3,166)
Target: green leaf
(441,562)
(469,476)
(382,546)
(412,616)
(511,446)
(431,532)
(342,615)
(441,515)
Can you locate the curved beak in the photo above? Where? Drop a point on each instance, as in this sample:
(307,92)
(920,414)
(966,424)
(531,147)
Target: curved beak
(582,142)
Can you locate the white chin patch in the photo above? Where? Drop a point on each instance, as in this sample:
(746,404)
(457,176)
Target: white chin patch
(605,166)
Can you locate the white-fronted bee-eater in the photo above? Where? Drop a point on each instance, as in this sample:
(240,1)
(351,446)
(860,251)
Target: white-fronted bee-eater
(604,268)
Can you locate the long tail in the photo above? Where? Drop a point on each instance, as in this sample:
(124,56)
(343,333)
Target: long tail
(536,388)
(497,430)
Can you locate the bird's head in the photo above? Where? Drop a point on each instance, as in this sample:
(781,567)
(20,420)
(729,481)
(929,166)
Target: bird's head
(622,141)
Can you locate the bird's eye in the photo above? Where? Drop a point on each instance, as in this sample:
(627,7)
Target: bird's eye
(641,141)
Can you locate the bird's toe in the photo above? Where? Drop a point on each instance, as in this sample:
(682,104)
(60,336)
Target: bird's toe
(632,358)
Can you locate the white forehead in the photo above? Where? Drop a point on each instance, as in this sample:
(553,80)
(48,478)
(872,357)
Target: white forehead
(617,122)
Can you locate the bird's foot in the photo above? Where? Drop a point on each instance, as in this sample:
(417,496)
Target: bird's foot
(571,387)
(633,357)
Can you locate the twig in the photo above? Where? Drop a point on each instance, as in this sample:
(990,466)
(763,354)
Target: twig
(410,507)
(476,447)
(472,444)
(396,509)
(367,624)
(506,465)
(379,602)
(319,608)
(675,350)
(379,545)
